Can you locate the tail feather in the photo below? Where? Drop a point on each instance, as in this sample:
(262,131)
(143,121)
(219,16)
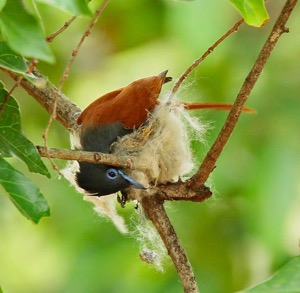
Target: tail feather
(215,106)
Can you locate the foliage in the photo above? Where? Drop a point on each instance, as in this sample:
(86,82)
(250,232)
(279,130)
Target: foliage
(253,11)
(14,62)
(254,203)
(285,280)
(23,193)
(22,28)
(23,33)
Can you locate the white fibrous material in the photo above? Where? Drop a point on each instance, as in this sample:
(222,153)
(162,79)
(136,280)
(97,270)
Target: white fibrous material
(160,150)
(152,248)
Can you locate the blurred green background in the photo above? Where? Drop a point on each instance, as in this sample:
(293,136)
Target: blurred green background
(248,228)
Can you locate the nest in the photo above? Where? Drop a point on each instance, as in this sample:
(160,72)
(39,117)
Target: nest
(160,150)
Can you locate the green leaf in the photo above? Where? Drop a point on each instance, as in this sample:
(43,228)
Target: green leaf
(253,11)
(23,33)
(15,63)
(10,60)
(285,280)
(12,141)
(76,7)
(25,195)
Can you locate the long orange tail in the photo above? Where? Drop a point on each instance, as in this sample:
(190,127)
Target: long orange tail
(215,106)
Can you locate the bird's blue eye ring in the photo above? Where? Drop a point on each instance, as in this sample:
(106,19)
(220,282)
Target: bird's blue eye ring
(111,173)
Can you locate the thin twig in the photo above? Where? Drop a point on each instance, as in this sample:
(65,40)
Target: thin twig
(84,156)
(52,36)
(206,53)
(212,156)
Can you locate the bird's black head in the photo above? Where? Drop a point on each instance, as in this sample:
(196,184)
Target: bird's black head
(99,179)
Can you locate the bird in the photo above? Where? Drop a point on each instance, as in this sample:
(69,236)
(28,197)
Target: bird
(111,116)
(115,115)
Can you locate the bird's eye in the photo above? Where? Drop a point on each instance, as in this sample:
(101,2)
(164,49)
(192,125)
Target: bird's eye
(111,173)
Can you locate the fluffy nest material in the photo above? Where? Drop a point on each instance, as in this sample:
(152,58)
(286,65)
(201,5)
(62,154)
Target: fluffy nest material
(160,150)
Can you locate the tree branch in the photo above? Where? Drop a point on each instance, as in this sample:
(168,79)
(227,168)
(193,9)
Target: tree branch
(67,111)
(154,209)
(180,191)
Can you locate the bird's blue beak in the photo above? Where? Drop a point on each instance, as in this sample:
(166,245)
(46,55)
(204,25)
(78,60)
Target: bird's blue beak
(134,183)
